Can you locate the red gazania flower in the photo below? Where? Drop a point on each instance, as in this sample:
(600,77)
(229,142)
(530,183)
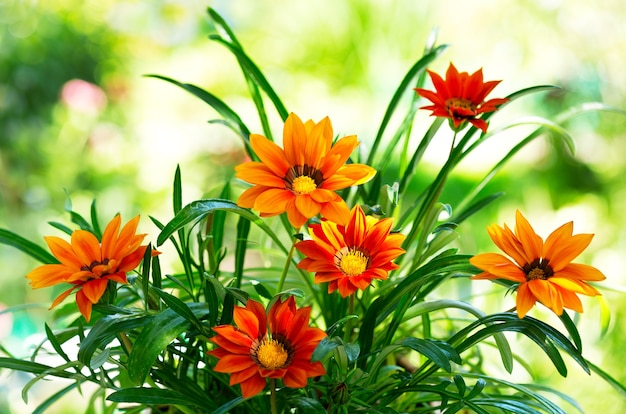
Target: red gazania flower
(251,353)
(89,265)
(302,178)
(543,270)
(461,97)
(349,257)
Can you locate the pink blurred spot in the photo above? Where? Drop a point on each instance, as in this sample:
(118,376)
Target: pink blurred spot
(83,96)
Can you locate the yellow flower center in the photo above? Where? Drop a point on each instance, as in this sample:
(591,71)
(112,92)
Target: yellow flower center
(303,185)
(271,354)
(536,273)
(353,263)
(461,103)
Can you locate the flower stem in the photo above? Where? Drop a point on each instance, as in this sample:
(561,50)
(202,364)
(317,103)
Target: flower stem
(453,142)
(348,326)
(283,275)
(273,396)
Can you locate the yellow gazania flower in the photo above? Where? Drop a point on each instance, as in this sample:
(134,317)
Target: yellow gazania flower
(89,265)
(302,178)
(543,269)
(349,257)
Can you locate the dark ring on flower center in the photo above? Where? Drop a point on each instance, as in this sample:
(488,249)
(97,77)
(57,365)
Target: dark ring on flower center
(300,171)
(538,269)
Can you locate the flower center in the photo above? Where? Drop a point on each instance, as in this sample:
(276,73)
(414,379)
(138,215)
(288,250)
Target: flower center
(352,262)
(303,179)
(271,354)
(303,185)
(460,108)
(538,269)
(99,269)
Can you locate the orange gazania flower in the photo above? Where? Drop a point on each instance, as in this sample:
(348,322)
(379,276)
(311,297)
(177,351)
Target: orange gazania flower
(349,257)
(89,265)
(251,353)
(302,178)
(461,97)
(543,269)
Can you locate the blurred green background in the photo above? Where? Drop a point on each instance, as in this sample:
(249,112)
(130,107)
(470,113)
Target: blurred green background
(78,117)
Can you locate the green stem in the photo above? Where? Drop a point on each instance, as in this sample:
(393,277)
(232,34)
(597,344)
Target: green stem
(273,396)
(348,326)
(453,142)
(283,275)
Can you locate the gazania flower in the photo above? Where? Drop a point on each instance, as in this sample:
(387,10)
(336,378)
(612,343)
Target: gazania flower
(543,270)
(349,257)
(461,97)
(251,353)
(302,178)
(89,265)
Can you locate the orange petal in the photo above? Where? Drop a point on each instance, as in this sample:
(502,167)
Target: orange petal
(233,363)
(62,296)
(62,250)
(86,247)
(273,201)
(294,216)
(531,242)
(356,228)
(336,211)
(571,301)
(294,140)
(84,305)
(349,175)
(307,206)
(547,294)
(94,289)
(48,275)
(580,271)
(574,285)
(252,386)
(110,236)
(247,321)
(338,155)
(259,174)
(499,266)
(270,154)
(248,197)
(525,300)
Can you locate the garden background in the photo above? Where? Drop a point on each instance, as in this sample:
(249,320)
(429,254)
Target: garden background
(78,117)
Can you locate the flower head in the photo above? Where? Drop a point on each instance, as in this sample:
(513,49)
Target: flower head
(302,178)
(543,269)
(88,264)
(251,352)
(349,257)
(461,97)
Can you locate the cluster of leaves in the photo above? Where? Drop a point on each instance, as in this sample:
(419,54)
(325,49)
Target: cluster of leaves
(148,346)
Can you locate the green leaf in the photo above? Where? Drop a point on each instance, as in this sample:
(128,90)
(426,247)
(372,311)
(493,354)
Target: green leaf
(220,106)
(251,70)
(180,308)
(94,220)
(105,330)
(439,352)
(307,405)
(243,230)
(177,197)
(225,409)
(153,396)
(412,73)
(156,335)
(55,343)
(200,208)
(34,368)
(33,250)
